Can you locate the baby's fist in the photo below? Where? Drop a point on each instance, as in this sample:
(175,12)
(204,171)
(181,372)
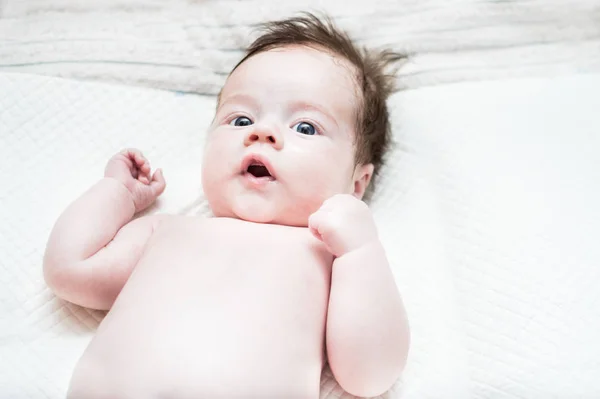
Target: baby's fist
(343,223)
(133,170)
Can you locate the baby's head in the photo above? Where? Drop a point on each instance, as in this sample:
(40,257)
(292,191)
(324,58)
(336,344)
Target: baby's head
(302,117)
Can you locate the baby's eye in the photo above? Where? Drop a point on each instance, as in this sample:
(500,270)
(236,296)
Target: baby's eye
(241,121)
(305,128)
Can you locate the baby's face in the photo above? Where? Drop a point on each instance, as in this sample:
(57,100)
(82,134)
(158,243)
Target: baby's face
(282,139)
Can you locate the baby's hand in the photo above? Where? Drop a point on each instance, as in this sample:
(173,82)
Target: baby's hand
(343,223)
(133,170)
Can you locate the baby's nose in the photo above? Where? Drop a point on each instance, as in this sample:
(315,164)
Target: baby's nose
(263,134)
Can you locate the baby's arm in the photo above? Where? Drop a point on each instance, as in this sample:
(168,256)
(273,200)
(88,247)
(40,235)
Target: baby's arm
(367,329)
(93,246)
(367,333)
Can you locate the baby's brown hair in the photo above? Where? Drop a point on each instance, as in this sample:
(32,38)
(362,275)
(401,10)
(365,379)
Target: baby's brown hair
(375,78)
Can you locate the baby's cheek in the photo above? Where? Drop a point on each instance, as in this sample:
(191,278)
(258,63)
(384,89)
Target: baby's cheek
(213,173)
(334,176)
(318,188)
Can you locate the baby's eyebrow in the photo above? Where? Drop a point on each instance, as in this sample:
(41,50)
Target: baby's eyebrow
(240,98)
(309,106)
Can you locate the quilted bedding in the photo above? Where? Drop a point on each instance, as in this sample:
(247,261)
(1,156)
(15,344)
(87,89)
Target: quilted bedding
(488,209)
(191,45)
(488,206)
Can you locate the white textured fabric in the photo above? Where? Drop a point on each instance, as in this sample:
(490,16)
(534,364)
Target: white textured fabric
(488,209)
(190,45)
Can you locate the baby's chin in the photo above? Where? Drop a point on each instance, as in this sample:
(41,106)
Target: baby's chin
(262,213)
(271,216)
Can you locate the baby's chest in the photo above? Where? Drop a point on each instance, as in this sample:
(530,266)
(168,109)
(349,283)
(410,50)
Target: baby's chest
(206,296)
(221,257)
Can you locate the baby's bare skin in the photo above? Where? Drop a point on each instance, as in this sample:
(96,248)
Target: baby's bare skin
(215,308)
(242,305)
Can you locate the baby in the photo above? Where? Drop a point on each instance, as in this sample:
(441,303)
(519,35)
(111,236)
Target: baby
(288,275)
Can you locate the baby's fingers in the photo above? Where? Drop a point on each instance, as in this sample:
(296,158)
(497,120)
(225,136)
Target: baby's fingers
(141,162)
(158,183)
(140,167)
(137,159)
(315,224)
(319,226)
(144,179)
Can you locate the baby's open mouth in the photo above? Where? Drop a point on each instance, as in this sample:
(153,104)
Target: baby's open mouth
(259,170)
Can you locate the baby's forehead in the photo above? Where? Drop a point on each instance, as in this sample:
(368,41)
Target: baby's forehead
(331,71)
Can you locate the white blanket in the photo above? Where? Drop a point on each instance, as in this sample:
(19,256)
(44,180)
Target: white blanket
(488,209)
(191,46)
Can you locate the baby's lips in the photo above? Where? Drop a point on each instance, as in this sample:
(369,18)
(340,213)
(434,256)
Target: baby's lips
(251,158)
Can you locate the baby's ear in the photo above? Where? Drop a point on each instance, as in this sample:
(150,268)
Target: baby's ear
(362,177)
